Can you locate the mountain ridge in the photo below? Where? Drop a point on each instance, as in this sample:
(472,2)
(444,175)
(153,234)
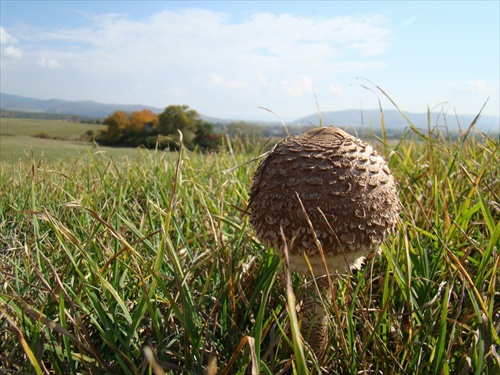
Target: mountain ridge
(344,118)
(393,119)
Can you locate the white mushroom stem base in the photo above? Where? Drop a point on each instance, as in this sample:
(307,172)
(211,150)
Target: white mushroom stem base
(336,263)
(317,298)
(318,293)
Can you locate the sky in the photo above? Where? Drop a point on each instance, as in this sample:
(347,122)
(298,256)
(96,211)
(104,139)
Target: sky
(232,59)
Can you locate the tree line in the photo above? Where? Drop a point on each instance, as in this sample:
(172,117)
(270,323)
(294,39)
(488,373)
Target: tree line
(148,129)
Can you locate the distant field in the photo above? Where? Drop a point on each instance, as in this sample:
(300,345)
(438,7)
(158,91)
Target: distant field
(17,140)
(56,128)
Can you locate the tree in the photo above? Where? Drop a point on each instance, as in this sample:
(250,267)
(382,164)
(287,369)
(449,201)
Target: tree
(179,117)
(143,121)
(205,138)
(117,122)
(145,128)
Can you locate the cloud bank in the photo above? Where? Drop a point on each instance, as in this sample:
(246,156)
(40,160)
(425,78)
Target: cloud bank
(193,51)
(207,59)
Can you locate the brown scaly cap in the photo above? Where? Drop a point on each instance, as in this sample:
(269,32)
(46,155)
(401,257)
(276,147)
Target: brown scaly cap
(347,192)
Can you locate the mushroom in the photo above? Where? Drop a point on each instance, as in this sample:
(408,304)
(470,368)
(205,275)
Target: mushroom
(328,199)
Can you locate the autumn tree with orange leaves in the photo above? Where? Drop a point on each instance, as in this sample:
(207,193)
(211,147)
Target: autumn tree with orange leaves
(145,128)
(117,123)
(124,129)
(144,120)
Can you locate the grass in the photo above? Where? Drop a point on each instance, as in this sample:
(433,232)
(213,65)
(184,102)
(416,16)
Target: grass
(56,128)
(18,140)
(145,263)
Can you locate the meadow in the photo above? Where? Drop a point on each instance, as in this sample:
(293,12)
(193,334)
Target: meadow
(143,262)
(22,138)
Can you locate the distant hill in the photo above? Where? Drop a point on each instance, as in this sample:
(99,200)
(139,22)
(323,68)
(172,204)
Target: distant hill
(369,119)
(85,108)
(57,108)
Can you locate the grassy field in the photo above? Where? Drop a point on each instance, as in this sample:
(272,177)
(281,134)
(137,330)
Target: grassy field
(145,263)
(18,140)
(57,128)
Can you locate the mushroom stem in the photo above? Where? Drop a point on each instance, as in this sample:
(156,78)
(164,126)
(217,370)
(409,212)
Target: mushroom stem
(317,298)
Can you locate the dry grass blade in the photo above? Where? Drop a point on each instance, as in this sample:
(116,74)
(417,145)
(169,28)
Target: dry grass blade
(298,347)
(212,367)
(37,315)
(279,118)
(238,351)
(150,357)
(24,344)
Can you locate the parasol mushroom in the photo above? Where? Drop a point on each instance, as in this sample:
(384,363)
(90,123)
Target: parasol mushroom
(327,193)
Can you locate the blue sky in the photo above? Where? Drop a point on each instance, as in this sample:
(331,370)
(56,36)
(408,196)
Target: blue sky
(226,59)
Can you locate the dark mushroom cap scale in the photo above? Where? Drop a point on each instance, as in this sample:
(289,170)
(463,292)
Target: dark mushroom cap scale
(327,181)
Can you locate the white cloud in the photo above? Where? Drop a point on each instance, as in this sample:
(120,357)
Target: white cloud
(199,37)
(168,56)
(218,80)
(13,52)
(475,86)
(336,89)
(48,63)
(479,86)
(5,37)
(9,52)
(359,66)
(407,22)
(298,86)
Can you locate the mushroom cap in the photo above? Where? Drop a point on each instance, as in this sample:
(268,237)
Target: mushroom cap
(324,189)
